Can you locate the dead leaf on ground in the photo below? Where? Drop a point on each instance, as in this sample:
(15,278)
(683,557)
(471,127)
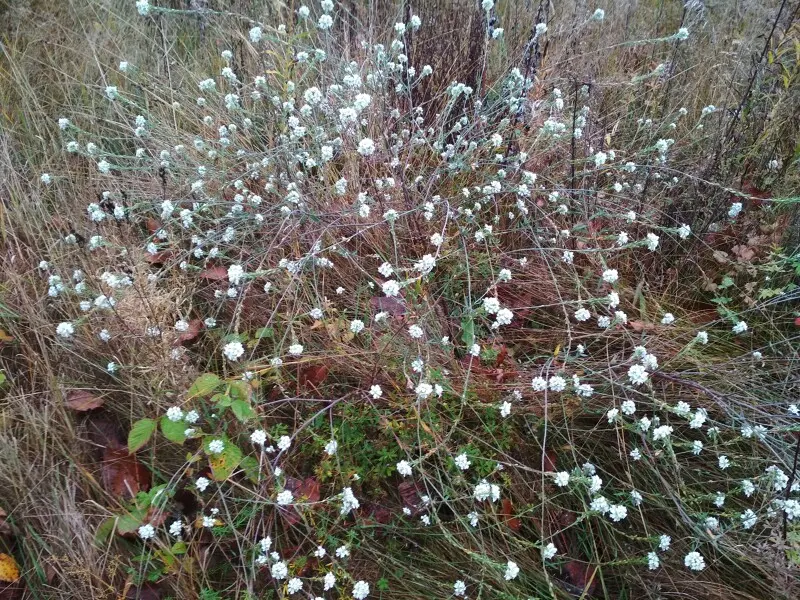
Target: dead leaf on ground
(190,335)
(123,475)
(507,511)
(393,306)
(148,591)
(214,273)
(313,375)
(83,400)
(9,571)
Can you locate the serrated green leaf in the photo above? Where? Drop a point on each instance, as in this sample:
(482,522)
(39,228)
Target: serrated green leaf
(104,530)
(140,434)
(221,399)
(223,464)
(251,468)
(173,430)
(204,385)
(240,390)
(468,331)
(242,410)
(265,332)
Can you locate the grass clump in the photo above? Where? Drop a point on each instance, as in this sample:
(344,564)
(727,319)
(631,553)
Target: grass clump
(293,305)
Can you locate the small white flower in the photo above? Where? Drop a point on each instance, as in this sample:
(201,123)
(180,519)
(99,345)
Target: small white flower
(637,374)
(65,330)
(740,327)
(296,349)
(652,241)
(561,479)
(539,384)
(694,561)
(662,433)
(512,570)
(279,570)
(331,447)
(284,498)
(360,590)
(147,531)
(617,512)
(459,588)
(582,315)
(416,332)
(174,414)
(233,351)
(356,326)
(201,484)
(549,551)
(216,446)
(366,147)
(610,275)
(404,468)
(653,562)
(462,462)
(258,437)
(668,319)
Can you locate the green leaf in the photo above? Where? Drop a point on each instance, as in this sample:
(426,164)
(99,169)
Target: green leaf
(179,548)
(240,390)
(104,530)
(204,385)
(2,377)
(223,464)
(140,434)
(265,332)
(242,410)
(130,522)
(468,331)
(251,468)
(173,430)
(221,399)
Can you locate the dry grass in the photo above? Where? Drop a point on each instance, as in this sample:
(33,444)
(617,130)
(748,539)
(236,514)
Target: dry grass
(54,461)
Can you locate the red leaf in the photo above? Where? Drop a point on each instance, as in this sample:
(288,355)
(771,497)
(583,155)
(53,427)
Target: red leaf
(313,375)
(214,273)
(549,461)
(579,575)
(309,489)
(82,400)
(393,306)
(148,591)
(152,225)
(123,475)
(507,510)
(797,322)
(159,258)
(190,335)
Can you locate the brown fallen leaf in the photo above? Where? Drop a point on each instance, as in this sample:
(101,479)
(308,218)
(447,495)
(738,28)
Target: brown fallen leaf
(9,571)
(83,400)
(190,335)
(580,576)
(123,475)
(148,591)
(507,511)
(313,375)
(309,489)
(217,273)
(393,306)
